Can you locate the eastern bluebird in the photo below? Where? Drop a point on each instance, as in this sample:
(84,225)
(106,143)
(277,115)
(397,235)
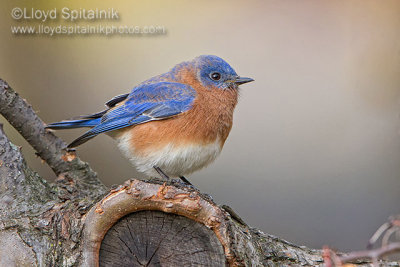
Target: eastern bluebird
(174,123)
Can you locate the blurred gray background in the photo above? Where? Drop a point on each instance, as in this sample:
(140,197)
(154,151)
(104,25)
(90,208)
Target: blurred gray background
(314,153)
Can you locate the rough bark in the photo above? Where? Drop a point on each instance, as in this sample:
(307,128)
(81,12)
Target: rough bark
(43,219)
(48,146)
(243,246)
(71,222)
(155,238)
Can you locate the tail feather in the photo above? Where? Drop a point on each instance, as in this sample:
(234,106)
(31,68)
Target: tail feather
(90,121)
(71,124)
(81,139)
(93,116)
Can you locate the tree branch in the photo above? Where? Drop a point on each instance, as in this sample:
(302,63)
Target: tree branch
(51,224)
(21,190)
(243,246)
(48,146)
(373,254)
(40,222)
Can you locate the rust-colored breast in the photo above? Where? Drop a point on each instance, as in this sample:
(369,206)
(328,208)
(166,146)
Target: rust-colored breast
(209,119)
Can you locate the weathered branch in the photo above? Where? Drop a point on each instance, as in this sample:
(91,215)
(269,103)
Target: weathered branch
(48,146)
(40,221)
(385,231)
(243,246)
(22,191)
(65,224)
(372,254)
(22,194)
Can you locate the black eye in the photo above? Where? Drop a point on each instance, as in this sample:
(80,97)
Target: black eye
(215,76)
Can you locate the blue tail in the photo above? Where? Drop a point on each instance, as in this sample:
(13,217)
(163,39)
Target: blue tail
(74,124)
(90,121)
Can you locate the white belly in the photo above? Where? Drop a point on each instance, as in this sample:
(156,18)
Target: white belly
(174,160)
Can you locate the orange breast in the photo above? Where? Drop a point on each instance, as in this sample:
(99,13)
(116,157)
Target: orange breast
(209,119)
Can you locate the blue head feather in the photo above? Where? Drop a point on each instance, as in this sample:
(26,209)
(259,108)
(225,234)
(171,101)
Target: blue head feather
(214,71)
(211,71)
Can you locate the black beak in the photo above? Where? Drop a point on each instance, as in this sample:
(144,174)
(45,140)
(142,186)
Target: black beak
(242,80)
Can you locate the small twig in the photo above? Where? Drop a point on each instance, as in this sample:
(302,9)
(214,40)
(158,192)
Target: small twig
(378,234)
(385,230)
(330,257)
(373,254)
(388,234)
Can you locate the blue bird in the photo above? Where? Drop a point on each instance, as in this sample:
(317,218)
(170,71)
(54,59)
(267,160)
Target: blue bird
(172,124)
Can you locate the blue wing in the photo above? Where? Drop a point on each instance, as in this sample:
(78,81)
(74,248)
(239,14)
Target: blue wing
(145,103)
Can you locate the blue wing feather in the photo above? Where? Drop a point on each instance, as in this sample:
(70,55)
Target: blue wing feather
(145,103)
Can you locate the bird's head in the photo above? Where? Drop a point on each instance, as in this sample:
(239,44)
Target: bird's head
(215,72)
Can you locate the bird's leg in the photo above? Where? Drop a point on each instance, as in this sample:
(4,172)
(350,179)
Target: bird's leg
(166,177)
(185,180)
(161,173)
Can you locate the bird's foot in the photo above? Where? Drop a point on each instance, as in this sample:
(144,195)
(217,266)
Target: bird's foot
(161,173)
(182,179)
(185,181)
